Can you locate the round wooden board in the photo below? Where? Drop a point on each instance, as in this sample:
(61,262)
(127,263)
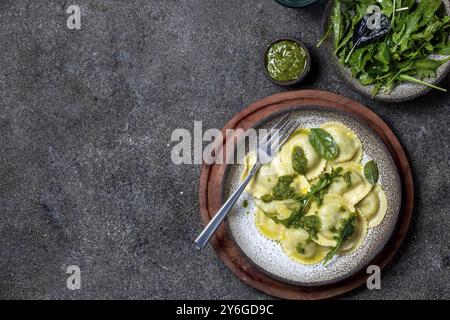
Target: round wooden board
(210,194)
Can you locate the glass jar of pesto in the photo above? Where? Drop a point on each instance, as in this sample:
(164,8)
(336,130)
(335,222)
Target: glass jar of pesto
(286,61)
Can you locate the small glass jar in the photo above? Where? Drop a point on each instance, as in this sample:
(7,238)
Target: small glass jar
(296,3)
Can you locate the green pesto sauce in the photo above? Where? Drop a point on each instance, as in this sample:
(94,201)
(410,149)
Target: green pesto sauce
(267,198)
(300,248)
(299,161)
(285,60)
(245,203)
(283,189)
(311,224)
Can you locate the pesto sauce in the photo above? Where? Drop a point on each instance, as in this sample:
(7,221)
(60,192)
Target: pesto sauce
(300,248)
(311,224)
(283,189)
(285,60)
(299,161)
(267,198)
(245,203)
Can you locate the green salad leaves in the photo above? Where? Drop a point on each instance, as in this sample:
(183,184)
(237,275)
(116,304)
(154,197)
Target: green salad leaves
(417,31)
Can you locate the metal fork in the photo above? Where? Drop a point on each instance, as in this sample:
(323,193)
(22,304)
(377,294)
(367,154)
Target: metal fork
(268,147)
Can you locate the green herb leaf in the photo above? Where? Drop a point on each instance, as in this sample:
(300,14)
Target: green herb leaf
(371,172)
(318,190)
(299,161)
(346,230)
(294,219)
(336,20)
(323,143)
(348,179)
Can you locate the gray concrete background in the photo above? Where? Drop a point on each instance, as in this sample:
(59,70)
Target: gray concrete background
(86,118)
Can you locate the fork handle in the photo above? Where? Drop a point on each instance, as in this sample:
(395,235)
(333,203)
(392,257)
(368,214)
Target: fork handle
(212,226)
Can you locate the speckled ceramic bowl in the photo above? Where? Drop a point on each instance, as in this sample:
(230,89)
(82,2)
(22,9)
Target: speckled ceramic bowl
(403,92)
(269,256)
(296,3)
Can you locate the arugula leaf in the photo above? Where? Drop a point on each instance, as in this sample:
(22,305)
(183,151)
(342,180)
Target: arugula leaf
(387,6)
(318,190)
(411,25)
(425,68)
(295,217)
(346,230)
(411,79)
(428,9)
(371,172)
(336,20)
(323,143)
(348,179)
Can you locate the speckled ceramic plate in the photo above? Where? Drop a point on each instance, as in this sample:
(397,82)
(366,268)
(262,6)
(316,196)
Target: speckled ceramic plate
(402,92)
(269,256)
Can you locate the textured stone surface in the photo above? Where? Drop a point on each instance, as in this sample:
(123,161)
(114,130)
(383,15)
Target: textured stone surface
(86,118)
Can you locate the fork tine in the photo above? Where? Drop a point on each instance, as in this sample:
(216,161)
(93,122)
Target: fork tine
(280,131)
(274,128)
(283,136)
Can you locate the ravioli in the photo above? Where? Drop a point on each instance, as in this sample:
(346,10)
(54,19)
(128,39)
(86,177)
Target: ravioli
(350,147)
(332,212)
(315,164)
(374,206)
(264,180)
(355,189)
(269,228)
(299,247)
(356,239)
(280,209)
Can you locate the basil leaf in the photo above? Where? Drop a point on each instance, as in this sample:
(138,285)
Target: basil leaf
(323,143)
(371,172)
(299,161)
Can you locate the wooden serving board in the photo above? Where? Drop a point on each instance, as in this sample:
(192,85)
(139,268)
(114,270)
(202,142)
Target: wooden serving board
(210,194)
